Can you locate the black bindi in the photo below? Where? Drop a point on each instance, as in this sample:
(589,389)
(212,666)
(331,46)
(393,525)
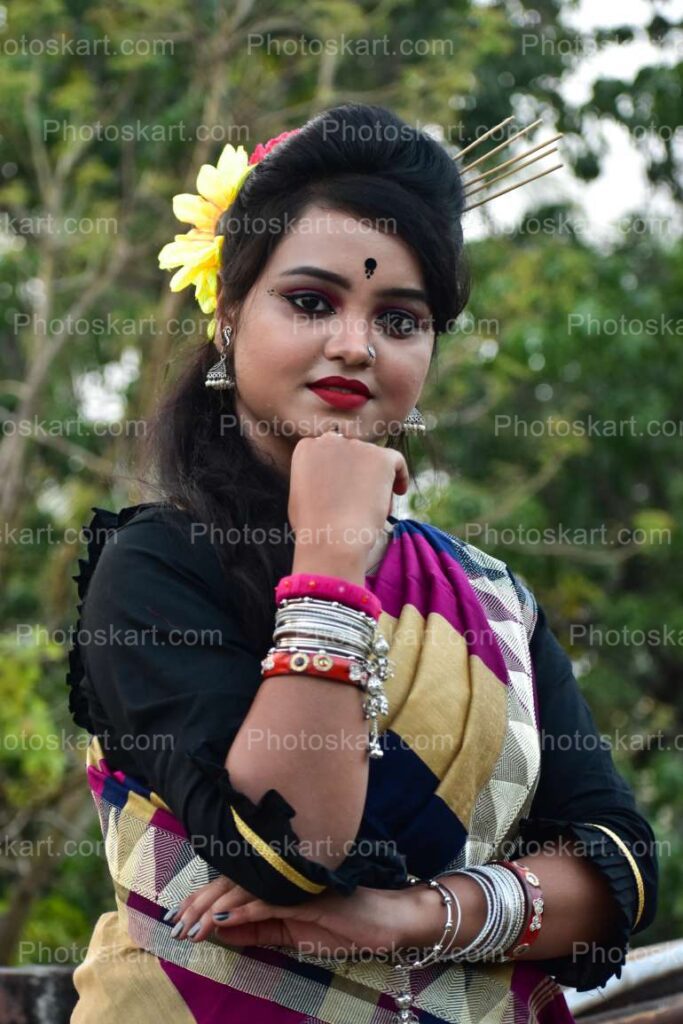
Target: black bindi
(370,266)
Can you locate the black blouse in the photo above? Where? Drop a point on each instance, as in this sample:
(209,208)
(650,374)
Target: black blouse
(161,672)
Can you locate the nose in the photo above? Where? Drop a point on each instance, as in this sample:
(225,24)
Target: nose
(349,339)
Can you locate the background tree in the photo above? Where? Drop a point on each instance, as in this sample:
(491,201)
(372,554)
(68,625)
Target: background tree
(109,111)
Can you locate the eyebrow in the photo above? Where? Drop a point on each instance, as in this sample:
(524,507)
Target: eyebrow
(343,282)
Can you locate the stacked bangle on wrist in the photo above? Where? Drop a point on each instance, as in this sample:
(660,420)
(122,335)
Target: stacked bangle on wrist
(514,905)
(534,907)
(514,911)
(333,636)
(505,913)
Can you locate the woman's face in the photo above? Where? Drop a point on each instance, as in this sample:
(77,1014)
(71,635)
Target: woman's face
(332,286)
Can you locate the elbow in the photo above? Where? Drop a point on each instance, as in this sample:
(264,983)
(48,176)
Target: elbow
(326,819)
(248,836)
(256,849)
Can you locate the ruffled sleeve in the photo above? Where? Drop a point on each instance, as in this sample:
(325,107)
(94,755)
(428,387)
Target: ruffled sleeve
(583,797)
(101,527)
(172,683)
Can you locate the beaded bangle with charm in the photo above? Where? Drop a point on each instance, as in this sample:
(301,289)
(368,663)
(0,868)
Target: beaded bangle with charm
(535,906)
(336,668)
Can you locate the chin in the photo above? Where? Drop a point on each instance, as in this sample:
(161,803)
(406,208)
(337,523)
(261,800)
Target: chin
(321,423)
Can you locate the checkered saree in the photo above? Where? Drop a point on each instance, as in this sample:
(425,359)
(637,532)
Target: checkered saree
(459,626)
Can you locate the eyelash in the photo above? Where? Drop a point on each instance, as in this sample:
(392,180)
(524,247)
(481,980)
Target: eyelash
(319,312)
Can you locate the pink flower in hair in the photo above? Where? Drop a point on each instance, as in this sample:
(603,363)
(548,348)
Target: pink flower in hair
(263,149)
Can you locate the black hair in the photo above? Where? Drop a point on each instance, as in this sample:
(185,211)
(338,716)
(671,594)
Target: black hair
(355,158)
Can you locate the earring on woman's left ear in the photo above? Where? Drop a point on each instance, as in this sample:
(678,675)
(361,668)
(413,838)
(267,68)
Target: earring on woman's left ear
(414,423)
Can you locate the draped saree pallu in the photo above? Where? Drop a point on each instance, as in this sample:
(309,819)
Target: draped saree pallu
(460,768)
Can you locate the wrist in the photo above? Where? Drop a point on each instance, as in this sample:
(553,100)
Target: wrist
(344,564)
(427,913)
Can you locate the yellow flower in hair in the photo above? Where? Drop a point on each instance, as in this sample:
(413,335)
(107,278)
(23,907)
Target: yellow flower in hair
(197,253)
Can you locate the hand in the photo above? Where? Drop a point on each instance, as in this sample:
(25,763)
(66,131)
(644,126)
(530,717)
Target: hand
(340,490)
(376,921)
(220,894)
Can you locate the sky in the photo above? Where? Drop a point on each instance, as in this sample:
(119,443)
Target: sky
(622,185)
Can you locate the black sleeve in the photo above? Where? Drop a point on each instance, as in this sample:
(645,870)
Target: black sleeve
(166,663)
(581,795)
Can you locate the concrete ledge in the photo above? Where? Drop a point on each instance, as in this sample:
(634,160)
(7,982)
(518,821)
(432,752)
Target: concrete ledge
(37,995)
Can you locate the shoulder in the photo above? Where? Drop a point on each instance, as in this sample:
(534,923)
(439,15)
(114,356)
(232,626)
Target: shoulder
(153,539)
(142,560)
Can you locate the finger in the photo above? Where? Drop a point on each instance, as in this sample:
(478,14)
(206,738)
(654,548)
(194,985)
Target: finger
(202,901)
(207,894)
(261,933)
(204,917)
(255,911)
(401,476)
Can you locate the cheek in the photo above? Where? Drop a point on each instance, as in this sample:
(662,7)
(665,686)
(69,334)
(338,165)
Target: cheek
(272,355)
(402,378)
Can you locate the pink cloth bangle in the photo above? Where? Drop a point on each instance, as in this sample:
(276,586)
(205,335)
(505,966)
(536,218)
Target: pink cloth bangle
(330,588)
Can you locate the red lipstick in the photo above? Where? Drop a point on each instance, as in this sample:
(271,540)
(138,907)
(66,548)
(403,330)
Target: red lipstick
(338,399)
(356,393)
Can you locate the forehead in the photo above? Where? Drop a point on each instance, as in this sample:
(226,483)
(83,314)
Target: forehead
(342,241)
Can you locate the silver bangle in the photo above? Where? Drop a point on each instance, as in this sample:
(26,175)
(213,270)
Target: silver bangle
(285,638)
(513,899)
(335,611)
(320,628)
(404,998)
(360,629)
(505,912)
(311,625)
(324,606)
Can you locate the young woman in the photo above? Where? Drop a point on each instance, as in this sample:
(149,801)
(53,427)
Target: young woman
(342,766)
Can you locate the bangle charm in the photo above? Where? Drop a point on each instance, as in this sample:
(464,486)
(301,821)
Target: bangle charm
(535,905)
(404,999)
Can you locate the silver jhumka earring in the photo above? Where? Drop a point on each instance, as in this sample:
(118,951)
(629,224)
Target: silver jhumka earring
(218,376)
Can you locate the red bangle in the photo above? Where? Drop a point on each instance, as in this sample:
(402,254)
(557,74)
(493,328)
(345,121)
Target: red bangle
(329,588)
(535,905)
(335,667)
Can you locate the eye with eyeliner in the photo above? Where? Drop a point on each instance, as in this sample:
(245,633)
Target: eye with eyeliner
(400,314)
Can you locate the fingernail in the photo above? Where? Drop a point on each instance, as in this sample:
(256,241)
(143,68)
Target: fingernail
(194,929)
(177,929)
(170,914)
(223,916)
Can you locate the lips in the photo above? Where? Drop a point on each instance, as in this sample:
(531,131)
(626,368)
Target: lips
(338,399)
(331,383)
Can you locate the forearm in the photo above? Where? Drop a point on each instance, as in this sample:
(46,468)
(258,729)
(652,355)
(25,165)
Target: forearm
(307,737)
(578,906)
